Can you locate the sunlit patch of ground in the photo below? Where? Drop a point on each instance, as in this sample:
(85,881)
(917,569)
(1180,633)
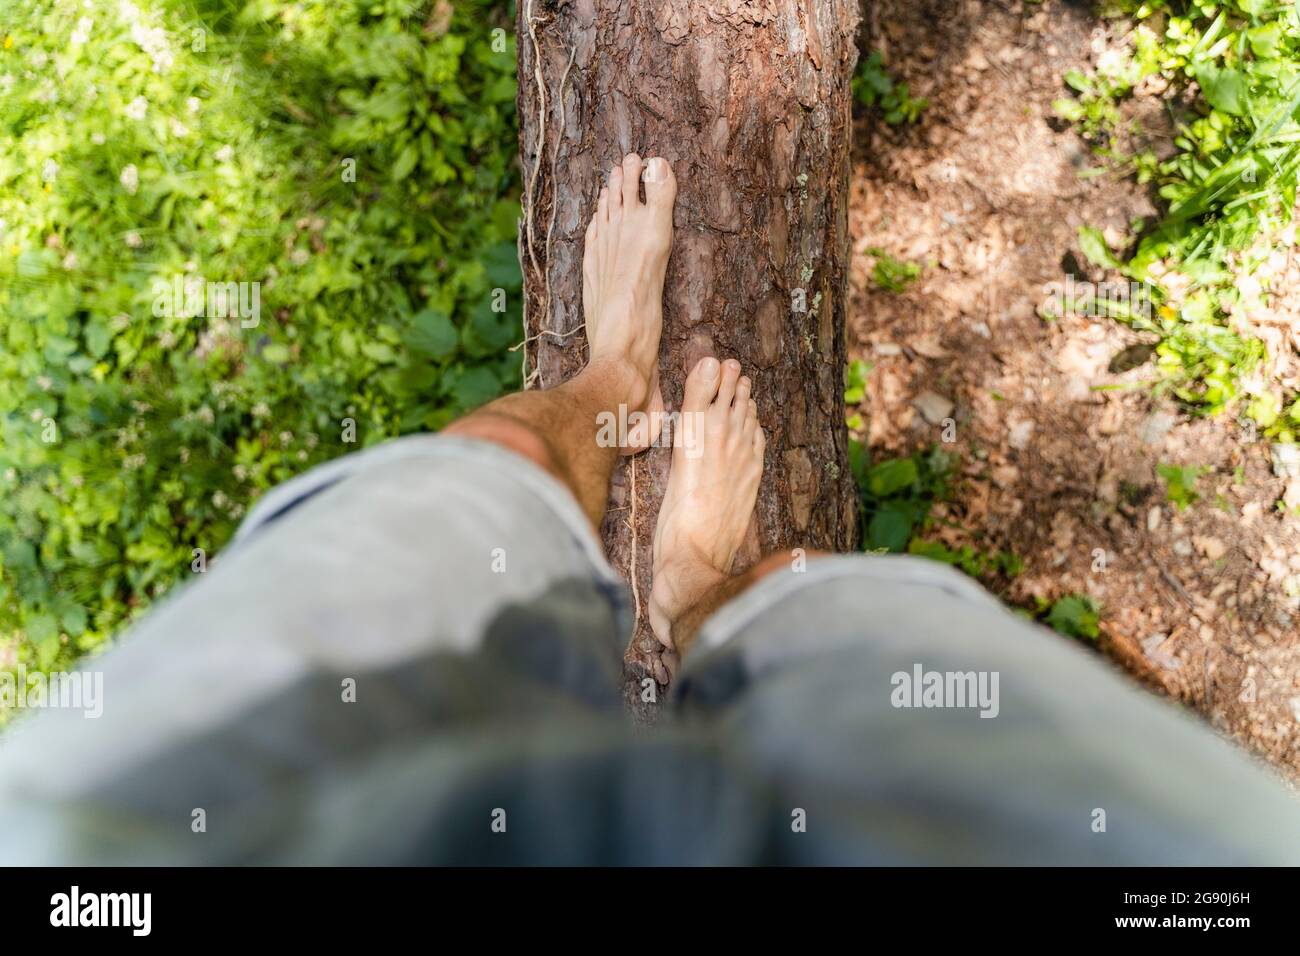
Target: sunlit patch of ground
(1059,454)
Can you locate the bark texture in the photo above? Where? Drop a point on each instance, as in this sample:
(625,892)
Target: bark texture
(750,102)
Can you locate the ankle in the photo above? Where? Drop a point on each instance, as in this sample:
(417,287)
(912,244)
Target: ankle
(619,382)
(689,577)
(695,593)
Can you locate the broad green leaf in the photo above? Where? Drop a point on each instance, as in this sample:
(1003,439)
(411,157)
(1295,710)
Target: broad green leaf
(381,352)
(1224,88)
(1075,616)
(406,161)
(889,529)
(501,263)
(433,334)
(891,476)
(98,338)
(1265,39)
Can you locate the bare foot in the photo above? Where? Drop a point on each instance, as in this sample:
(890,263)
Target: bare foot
(623,265)
(717,463)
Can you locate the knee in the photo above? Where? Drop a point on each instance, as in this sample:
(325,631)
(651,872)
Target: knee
(507,432)
(782,560)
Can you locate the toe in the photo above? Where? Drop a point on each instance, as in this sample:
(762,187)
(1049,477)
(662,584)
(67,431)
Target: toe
(760,443)
(740,407)
(750,423)
(727,387)
(602,206)
(660,183)
(631,180)
(701,385)
(615,192)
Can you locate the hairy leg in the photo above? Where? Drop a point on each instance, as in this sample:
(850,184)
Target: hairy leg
(688,623)
(557,428)
(624,261)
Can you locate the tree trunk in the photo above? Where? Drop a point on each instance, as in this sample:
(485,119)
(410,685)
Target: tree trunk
(750,102)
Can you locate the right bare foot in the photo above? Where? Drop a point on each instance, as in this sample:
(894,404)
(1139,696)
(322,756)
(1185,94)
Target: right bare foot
(717,464)
(623,264)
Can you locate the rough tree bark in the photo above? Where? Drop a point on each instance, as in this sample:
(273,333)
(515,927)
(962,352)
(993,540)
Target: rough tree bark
(750,101)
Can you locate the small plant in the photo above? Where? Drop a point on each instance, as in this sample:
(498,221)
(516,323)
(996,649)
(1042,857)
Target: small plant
(1092,243)
(1180,483)
(1093,109)
(1201,361)
(855,390)
(1075,615)
(897,496)
(891,274)
(874,86)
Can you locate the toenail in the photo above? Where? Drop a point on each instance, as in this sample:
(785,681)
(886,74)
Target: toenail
(733,364)
(709,367)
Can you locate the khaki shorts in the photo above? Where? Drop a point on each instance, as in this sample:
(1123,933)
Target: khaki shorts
(413,655)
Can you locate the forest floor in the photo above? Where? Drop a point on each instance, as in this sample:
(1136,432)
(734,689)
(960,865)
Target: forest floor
(985,191)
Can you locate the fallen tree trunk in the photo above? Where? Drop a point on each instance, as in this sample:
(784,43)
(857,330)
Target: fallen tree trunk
(750,102)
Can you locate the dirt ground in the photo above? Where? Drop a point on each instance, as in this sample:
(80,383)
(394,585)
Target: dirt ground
(985,190)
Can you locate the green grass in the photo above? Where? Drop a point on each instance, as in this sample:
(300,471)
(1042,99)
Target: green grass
(354,159)
(1228,190)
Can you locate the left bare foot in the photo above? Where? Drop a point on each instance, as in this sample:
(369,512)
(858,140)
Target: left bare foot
(623,265)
